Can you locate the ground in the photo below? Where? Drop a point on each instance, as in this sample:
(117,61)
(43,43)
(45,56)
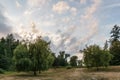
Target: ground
(112,73)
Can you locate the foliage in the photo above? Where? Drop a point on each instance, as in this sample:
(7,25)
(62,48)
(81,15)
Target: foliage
(61,59)
(2,71)
(21,58)
(115,33)
(115,45)
(73,61)
(7,45)
(40,55)
(94,56)
(115,51)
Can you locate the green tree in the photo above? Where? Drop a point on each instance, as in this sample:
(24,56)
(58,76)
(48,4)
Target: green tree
(22,58)
(73,61)
(40,55)
(115,51)
(94,56)
(61,59)
(115,33)
(115,45)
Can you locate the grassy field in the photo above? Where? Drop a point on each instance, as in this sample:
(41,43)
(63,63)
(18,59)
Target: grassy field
(112,73)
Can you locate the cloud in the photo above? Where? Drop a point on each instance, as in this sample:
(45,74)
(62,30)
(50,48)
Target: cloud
(18,5)
(90,22)
(4,26)
(82,1)
(61,7)
(73,11)
(37,3)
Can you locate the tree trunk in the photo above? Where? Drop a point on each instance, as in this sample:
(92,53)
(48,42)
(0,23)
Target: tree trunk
(97,68)
(35,73)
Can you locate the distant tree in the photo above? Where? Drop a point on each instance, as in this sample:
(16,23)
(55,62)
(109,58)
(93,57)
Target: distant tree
(80,63)
(61,59)
(73,61)
(94,56)
(115,33)
(106,45)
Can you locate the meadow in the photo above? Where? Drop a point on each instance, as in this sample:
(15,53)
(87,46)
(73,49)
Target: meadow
(111,73)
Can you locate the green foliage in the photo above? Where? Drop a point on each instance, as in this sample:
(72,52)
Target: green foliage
(7,45)
(21,58)
(115,33)
(4,62)
(61,59)
(73,61)
(40,55)
(2,71)
(115,51)
(94,56)
(115,45)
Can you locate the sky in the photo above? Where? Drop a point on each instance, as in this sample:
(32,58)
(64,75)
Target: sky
(68,24)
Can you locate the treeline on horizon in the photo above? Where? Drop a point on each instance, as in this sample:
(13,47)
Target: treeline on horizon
(36,56)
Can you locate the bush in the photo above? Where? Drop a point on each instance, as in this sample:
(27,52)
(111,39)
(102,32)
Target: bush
(68,67)
(2,71)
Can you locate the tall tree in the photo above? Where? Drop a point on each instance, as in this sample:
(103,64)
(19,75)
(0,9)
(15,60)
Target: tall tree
(115,45)
(41,55)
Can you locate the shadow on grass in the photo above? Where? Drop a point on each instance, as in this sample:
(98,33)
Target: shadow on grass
(101,69)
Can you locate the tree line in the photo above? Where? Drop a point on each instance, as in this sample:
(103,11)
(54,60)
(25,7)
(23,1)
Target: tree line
(36,56)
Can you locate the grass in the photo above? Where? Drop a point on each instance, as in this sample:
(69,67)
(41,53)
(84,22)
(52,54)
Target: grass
(112,73)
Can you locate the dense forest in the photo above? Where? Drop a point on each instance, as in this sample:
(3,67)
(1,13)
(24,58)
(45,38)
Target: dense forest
(36,56)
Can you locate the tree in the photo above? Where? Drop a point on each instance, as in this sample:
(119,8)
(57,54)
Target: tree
(22,58)
(115,33)
(80,63)
(115,51)
(115,45)
(40,55)
(73,61)
(61,59)
(106,45)
(94,56)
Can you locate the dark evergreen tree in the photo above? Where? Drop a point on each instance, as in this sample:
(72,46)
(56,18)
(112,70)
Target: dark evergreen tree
(115,45)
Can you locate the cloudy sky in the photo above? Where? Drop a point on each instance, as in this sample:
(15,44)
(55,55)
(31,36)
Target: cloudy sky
(69,24)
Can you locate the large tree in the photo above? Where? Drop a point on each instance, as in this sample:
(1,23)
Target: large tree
(41,55)
(35,56)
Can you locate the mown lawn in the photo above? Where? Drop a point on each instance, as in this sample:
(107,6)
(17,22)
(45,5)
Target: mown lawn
(112,73)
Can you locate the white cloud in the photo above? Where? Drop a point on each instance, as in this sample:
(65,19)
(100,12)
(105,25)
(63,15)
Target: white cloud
(82,1)
(18,5)
(37,3)
(90,22)
(61,7)
(73,11)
